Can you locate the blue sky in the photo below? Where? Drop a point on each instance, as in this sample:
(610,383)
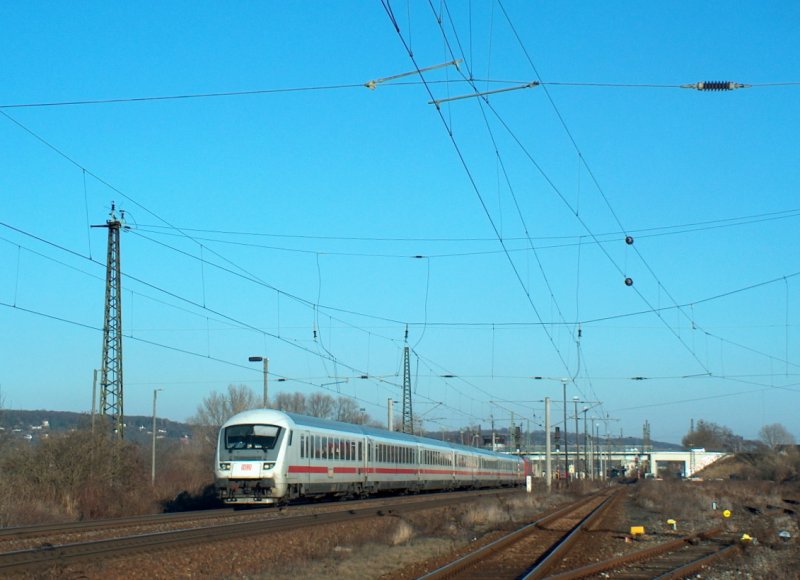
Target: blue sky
(259,219)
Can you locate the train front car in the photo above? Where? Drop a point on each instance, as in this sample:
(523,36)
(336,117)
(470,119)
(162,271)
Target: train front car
(251,457)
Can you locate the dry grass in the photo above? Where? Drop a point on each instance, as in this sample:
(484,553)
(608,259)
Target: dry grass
(373,552)
(80,476)
(757,509)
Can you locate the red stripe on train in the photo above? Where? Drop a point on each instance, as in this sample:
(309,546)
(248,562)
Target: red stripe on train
(393,471)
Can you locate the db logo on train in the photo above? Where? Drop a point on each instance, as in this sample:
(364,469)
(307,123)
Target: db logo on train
(246,467)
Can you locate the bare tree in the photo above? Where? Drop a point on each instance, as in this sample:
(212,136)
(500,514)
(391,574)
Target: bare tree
(347,410)
(218,408)
(291,403)
(709,435)
(320,405)
(775,435)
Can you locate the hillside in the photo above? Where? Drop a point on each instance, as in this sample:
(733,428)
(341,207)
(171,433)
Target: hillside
(33,425)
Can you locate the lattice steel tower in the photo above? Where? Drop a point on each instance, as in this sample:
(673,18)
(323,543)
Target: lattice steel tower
(408,415)
(111,397)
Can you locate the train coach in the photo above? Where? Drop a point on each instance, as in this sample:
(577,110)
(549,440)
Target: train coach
(266,456)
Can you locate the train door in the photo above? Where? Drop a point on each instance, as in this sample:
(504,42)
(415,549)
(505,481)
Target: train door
(300,458)
(368,463)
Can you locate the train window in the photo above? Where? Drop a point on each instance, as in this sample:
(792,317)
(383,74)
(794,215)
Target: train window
(302,446)
(359,451)
(251,436)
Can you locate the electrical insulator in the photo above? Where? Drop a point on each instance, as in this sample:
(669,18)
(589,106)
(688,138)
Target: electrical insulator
(715,86)
(629,281)
(629,240)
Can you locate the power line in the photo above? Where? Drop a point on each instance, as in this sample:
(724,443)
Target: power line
(471,178)
(384,82)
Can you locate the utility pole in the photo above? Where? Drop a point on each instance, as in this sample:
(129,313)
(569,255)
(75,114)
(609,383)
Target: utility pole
(111,392)
(577,436)
(585,445)
(566,438)
(265,360)
(548,462)
(408,415)
(390,415)
(94,396)
(153,461)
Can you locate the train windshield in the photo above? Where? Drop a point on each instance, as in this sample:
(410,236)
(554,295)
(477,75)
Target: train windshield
(251,436)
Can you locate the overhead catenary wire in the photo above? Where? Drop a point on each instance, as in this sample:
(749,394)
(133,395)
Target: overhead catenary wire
(702,225)
(652,307)
(452,324)
(579,241)
(482,101)
(471,179)
(221,317)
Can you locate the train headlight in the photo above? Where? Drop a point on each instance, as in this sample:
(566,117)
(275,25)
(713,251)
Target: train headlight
(269,465)
(225,466)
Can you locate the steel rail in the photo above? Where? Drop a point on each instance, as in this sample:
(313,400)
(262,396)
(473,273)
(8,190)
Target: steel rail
(29,559)
(638,556)
(456,566)
(694,566)
(85,526)
(542,567)
(44,530)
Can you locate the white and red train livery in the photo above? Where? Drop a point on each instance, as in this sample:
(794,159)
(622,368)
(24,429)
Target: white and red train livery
(267,456)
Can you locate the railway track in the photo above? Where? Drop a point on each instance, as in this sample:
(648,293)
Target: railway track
(48,554)
(536,550)
(674,559)
(530,551)
(44,530)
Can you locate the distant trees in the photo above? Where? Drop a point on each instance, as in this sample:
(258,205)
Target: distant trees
(775,435)
(219,407)
(320,405)
(774,457)
(291,403)
(709,435)
(323,406)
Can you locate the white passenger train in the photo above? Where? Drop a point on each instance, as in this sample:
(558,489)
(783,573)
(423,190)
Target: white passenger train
(267,456)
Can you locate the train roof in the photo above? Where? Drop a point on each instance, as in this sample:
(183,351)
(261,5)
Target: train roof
(261,415)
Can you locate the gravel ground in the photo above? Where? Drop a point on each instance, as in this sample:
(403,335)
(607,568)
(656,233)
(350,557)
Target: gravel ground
(395,548)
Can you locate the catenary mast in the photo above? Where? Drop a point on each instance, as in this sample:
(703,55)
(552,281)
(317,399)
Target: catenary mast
(111,392)
(408,416)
